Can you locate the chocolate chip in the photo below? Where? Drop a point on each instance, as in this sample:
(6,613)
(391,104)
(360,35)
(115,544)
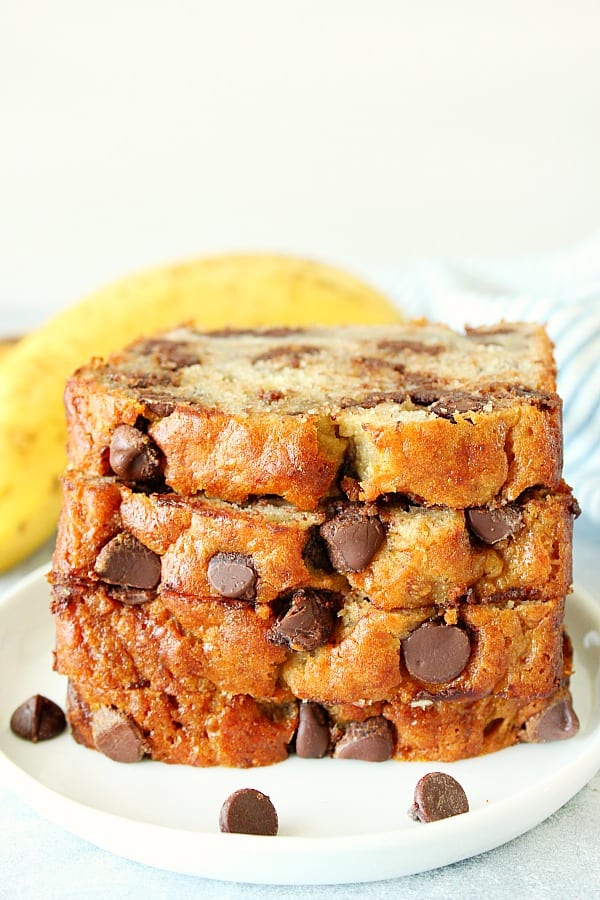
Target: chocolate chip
(371,741)
(438,796)
(232,575)
(352,539)
(373,399)
(424,396)
(493,525)
(312,737)
(158,405)
(169,354)
(436,652)
(541,399)
(308,622)
(134,456)
(458,402)
(117,736)
(38,719)
(557,723)
(125,560)
(248,811)
(574,508)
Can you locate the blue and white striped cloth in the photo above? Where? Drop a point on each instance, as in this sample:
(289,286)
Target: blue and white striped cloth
(563,291)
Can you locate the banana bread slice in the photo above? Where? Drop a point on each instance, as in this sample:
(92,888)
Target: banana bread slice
(211,728)
(205,728)
(400,555)
(312,645)
(445,418)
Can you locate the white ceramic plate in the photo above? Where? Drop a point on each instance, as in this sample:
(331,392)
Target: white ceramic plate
(340,820)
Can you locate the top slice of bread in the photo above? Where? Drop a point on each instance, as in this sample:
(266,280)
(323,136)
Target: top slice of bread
(446,418)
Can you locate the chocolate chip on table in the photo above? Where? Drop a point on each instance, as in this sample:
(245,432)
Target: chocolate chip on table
(232,575)
(38,719)
(117,736)
(493,525)
(353,538)
(248,811)
(126,561)
(133,455)
(308,622)
(557,723)
(371,741)
(436,653)
(312,737)
(438,796)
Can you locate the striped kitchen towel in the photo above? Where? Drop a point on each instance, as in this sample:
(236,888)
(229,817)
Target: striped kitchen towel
(562,290)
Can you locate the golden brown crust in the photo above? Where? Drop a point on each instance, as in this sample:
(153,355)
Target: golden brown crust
(209,728)
(429,556)
(471,460)
(449,421)
(508,441)
(186,534)
(432,557)
(459,730)
(173,643)
(514,652)
(169,645)
(297,457)
(204,728)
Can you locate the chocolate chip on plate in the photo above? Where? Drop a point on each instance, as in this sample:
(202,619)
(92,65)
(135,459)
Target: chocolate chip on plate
(126,561)
(312,737)
(232,575)
(493,525)
(117,736)
(308,622)
(38,719)
(371,741)
(557,723)
(438,796)
(248,811)
(436,653)
(352,539)
(133,455)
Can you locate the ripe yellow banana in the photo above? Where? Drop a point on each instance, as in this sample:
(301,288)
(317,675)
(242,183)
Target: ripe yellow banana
(6,345)
(242,291)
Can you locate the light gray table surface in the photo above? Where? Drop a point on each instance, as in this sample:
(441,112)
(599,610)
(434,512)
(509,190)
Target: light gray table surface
(559,858)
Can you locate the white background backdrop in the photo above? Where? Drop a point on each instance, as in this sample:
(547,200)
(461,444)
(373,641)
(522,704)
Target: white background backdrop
(363,133)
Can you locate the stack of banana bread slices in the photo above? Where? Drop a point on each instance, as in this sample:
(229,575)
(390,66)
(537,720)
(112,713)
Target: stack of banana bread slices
(349,541)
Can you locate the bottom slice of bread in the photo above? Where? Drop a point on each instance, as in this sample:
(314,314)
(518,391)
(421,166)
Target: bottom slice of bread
(210,728)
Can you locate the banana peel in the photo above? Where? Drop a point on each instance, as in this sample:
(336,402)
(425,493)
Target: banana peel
(214,292)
